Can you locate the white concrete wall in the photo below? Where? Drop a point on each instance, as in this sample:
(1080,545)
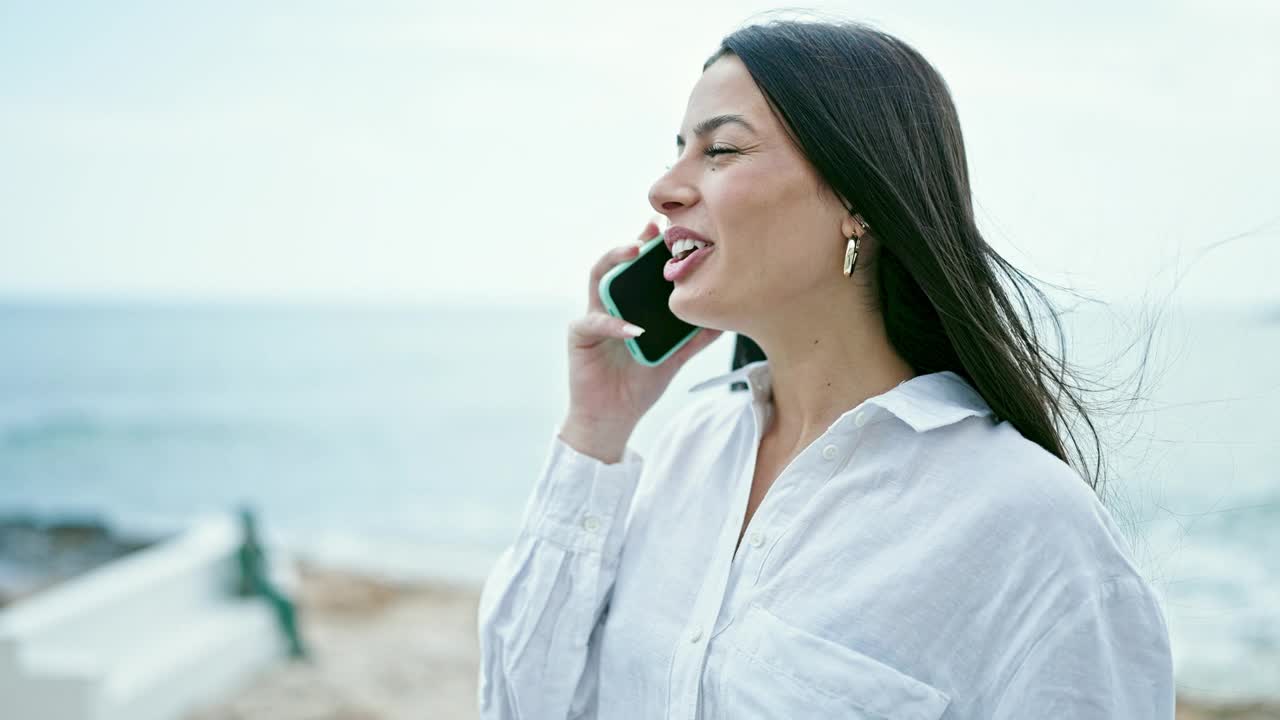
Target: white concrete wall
(141,638)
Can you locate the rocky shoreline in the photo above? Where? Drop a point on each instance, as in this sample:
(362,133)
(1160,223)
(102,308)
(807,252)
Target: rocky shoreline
(37,554)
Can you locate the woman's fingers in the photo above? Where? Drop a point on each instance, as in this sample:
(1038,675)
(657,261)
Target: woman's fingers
(590,329)
(650,232)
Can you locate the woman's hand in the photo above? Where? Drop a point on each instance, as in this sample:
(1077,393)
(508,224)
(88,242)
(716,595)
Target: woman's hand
(608,390)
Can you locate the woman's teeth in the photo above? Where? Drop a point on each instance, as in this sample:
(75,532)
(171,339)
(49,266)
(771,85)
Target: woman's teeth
(681,248)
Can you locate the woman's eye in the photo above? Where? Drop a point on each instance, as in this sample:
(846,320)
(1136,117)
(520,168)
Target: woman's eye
(712,151)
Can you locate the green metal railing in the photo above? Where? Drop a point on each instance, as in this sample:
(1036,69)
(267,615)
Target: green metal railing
(254,581)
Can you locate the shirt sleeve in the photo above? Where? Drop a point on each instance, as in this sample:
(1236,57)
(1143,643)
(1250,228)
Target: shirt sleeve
(1108,658)
(544,598)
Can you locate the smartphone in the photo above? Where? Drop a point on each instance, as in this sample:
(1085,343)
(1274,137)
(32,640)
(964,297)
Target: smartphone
(635,291)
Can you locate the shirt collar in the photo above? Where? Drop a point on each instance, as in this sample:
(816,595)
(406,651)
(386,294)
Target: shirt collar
(924,402)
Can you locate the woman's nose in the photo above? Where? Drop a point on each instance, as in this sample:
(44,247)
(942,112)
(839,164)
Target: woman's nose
(669,192)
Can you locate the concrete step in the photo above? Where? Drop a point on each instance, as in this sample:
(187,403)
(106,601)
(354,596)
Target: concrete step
(142,637)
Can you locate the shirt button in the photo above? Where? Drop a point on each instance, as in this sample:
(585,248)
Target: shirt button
(591,523)
(756,539)
(860,418)
(829,452)
(696,636)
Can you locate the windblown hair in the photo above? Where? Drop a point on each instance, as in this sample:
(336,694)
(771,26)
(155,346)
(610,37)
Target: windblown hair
(878,123)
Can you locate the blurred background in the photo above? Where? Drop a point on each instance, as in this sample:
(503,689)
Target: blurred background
(320,258)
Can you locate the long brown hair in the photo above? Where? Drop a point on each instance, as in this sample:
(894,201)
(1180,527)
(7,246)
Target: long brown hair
(878,123)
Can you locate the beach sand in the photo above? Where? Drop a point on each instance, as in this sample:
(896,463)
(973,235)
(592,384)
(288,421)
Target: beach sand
(386,651)
(379,650)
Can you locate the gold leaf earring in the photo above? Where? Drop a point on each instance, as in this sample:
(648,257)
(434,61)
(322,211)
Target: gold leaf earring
(860,227)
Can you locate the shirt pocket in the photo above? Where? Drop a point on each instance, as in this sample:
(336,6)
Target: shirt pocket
(774,669)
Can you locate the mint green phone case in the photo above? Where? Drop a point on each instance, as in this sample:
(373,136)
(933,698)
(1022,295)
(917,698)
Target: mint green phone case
(612,308)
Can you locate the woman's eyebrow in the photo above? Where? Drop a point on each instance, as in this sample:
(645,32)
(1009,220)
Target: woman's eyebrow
(712,123)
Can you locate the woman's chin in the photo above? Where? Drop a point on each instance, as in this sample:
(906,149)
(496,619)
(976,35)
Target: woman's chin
(688,305)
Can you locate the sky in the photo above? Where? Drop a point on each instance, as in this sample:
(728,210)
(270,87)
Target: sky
(492,151)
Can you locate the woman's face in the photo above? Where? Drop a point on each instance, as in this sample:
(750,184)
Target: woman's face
(776,226)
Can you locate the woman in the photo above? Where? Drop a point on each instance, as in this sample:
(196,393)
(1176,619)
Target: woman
(886,525)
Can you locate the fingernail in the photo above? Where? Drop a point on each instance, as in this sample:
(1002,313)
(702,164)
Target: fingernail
(632,330)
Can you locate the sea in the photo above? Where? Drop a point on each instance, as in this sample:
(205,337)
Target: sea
(404,439)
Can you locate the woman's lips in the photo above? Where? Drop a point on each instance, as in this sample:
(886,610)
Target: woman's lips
(677,269)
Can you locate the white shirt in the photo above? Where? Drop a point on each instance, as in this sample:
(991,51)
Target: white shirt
(919,560)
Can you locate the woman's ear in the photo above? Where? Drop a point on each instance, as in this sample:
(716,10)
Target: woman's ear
(855,226)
